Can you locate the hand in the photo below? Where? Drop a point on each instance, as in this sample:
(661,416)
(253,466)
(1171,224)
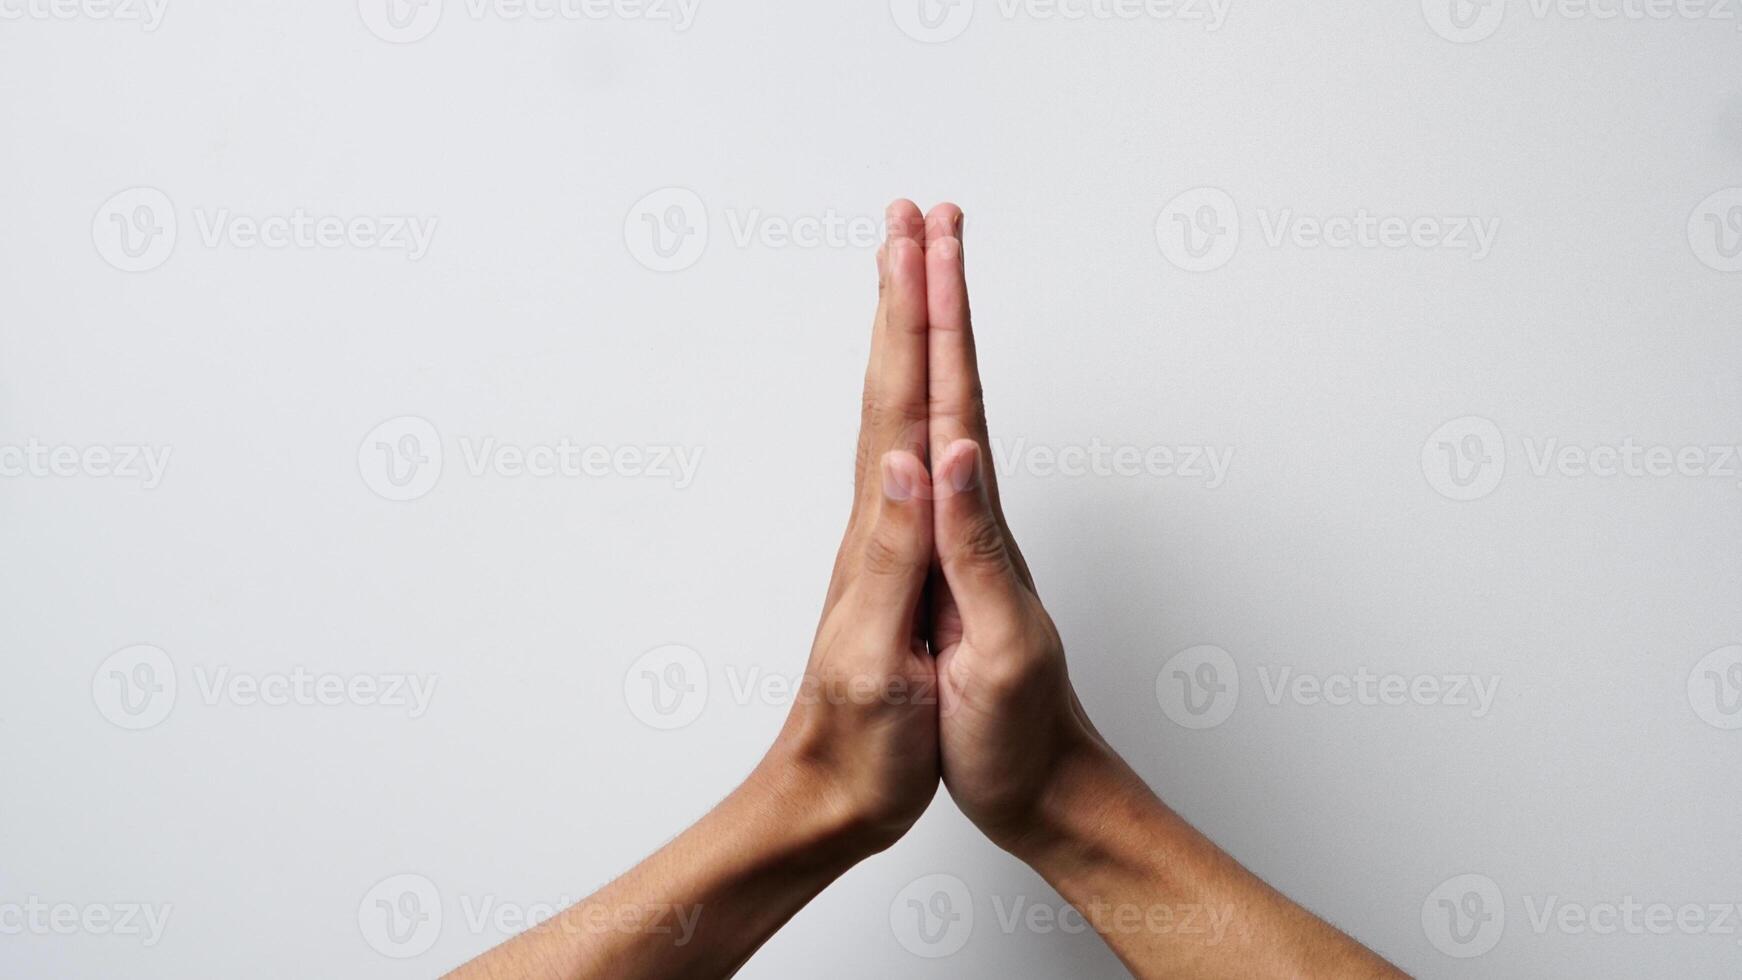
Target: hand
(863,735)
(1012,726)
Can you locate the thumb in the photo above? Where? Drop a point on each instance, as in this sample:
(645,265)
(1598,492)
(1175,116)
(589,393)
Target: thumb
(897,550)
(972,549)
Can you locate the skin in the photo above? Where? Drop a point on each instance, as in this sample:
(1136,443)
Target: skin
(934,659)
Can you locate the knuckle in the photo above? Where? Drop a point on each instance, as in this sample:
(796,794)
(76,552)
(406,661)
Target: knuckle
(981,544)
(887,554)
(885,415)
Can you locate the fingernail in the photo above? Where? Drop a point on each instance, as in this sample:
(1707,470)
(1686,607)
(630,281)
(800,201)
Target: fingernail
(897,482)
(967,472)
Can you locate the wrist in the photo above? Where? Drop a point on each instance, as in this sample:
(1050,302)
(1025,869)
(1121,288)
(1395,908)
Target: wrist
(819,823)
(1091,799)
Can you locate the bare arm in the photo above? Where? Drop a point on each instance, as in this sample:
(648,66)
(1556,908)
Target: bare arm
(702,904)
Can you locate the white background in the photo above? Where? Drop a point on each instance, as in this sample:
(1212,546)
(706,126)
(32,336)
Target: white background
(1603,770)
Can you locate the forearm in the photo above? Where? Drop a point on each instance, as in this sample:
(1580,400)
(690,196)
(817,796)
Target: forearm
(1167,900)
(700,906)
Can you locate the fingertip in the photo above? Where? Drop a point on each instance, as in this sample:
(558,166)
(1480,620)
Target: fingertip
(904,476)
(943,223)
(903,220)
(960,466)
(904,260)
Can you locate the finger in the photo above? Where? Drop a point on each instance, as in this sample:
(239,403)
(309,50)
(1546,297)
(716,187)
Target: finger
(862,454)
(978,563)
(956,403)
(894,416)
(896,553)
(954,400)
